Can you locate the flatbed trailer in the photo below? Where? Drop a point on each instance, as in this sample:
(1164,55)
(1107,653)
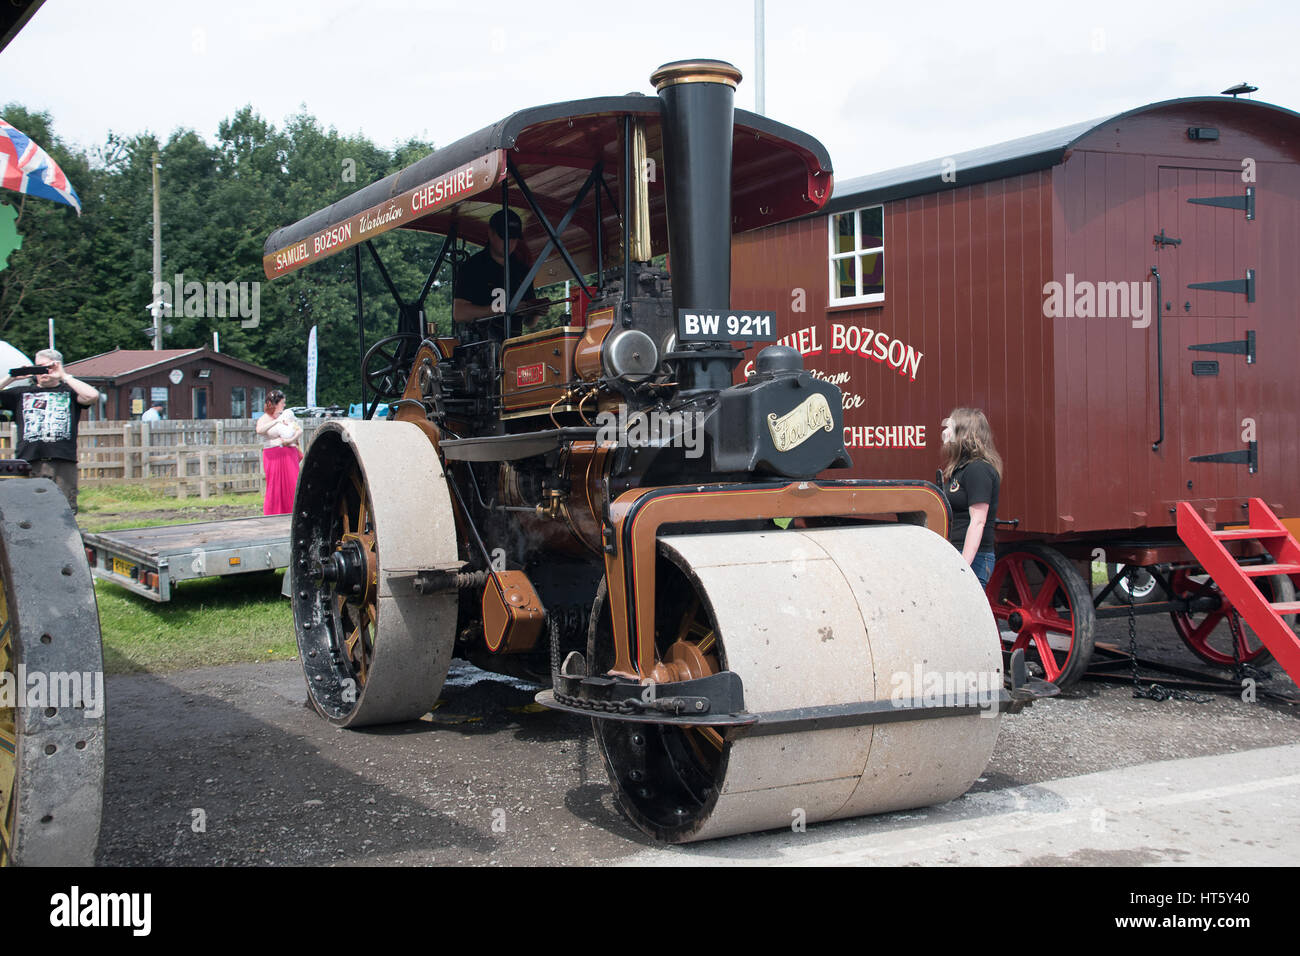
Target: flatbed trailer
(150,561)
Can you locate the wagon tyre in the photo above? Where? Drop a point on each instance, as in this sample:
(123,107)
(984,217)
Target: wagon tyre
(1209,636)
(1043,605)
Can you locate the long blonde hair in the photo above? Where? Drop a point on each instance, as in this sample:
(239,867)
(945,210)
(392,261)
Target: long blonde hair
(972,440)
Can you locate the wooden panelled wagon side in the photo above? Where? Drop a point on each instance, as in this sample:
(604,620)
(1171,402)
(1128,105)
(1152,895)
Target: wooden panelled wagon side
(1119,296)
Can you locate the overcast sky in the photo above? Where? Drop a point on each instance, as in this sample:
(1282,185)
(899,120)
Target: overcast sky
(881,84)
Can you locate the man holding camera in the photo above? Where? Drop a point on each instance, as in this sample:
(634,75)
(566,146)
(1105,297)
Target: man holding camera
(47,416)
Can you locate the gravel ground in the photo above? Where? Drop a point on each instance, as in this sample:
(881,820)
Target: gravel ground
(230,766)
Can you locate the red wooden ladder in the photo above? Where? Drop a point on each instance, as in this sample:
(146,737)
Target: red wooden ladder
(1235,580)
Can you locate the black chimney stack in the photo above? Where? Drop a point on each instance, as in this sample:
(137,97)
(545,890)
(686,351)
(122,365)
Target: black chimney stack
(697,100)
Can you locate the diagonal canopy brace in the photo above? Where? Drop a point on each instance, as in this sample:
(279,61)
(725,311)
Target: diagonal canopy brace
(553,232)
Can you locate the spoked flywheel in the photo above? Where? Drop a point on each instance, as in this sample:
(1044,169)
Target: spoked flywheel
(52,695)
(388,363)
(372,511)
(828,618)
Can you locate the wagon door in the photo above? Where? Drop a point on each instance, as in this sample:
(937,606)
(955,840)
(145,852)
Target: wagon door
(1207,254)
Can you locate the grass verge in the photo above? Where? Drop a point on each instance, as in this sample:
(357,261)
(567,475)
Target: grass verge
(112,507)
(207,622)
(126,498)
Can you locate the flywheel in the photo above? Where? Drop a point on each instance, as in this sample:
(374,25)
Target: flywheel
(825,618)
(372,512)
(51,682)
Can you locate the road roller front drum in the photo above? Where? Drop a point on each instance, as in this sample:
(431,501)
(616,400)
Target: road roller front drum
(807,619)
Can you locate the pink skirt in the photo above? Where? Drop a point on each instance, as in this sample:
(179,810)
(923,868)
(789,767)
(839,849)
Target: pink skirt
(281,465)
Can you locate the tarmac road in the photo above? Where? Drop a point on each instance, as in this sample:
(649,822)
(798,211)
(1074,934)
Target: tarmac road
(230,766)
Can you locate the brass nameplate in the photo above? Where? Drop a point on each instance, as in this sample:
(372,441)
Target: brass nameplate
(797,425)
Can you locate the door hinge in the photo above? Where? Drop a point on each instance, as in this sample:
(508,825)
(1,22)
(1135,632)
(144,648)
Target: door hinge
(1244,347)
(1246,456)
(1244,286)
(1246,202)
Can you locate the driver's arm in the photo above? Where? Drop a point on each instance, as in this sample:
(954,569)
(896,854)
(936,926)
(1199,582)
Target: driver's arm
(530,310)
(463,310)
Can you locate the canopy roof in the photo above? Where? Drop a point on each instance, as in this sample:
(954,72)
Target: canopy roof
(778,173)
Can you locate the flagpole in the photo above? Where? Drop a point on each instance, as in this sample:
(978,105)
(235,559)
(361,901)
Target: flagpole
(157,256)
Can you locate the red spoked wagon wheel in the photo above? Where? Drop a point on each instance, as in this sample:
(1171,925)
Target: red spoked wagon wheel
(1209,634)
(1037,594)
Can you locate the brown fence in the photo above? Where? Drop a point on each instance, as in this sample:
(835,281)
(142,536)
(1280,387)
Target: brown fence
(179,458)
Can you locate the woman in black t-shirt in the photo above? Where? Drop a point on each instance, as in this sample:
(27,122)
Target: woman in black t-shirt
(972,475)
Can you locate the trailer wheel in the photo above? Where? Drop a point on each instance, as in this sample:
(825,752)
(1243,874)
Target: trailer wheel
(1145,588)
(372,509)
(1039,596)
(52,747)
(1208,634)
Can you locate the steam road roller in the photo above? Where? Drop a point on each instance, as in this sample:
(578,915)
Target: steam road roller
(603,505)
(51,680)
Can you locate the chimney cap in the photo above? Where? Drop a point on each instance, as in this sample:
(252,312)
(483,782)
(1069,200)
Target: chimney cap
(695,71)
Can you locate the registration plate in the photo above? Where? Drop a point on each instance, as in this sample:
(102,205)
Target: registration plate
(124,568)
(725,326)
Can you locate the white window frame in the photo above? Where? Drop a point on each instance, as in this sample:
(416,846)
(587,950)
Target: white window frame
(859,298)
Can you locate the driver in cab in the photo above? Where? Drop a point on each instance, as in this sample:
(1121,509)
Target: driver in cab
(480,282)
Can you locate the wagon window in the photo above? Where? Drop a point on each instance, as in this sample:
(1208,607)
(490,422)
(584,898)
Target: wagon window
(857,256)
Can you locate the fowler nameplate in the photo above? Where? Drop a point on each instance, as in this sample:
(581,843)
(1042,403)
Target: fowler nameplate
(797,425)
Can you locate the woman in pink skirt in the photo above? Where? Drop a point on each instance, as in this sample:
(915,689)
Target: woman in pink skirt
(280,455)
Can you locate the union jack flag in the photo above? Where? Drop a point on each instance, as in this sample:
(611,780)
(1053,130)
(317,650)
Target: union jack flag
(26,168)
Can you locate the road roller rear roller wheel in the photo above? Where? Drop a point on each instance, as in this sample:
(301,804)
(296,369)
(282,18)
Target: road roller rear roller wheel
(1210,635)
(372,508)
(1044,606)
(806,618)
(51,740)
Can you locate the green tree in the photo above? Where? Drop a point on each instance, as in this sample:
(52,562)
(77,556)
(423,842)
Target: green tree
(219,203)
(46,277)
